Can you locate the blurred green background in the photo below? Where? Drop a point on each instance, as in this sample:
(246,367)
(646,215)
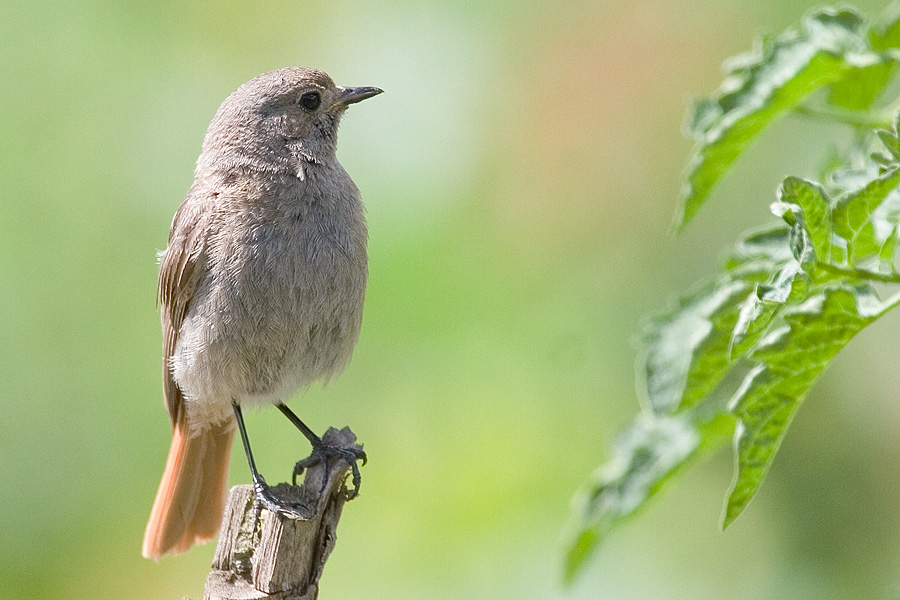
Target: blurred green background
(520,175)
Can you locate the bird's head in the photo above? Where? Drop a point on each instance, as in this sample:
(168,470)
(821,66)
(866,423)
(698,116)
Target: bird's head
(282,115)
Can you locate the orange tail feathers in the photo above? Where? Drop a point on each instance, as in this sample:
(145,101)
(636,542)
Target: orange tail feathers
(191,496)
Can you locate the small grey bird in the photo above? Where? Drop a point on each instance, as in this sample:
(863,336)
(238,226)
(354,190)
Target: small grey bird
(261,288)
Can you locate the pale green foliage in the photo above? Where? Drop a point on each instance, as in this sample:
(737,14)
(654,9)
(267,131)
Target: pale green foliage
(740,353)
(829,47)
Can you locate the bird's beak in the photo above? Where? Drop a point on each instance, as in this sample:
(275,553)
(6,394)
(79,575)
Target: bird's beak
(352,95)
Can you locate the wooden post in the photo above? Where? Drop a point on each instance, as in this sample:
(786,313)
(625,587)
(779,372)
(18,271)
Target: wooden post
(275,556)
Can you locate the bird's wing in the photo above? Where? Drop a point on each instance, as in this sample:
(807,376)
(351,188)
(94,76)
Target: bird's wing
(182,267)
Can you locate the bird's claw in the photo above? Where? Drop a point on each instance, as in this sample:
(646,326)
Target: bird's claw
(322,452)
(265,498)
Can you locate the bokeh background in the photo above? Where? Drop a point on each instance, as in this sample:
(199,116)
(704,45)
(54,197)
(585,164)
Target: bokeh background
(520,174)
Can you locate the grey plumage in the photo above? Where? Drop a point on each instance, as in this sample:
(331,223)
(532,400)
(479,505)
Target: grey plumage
(262,283)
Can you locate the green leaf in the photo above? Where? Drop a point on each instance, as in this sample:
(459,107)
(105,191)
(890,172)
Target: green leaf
(746,346)
(858,89)
(862,86)
(790,284)
(765,248)
(810,208)
(788,363)
(890,141)
(761,87)
(889,247)
(885,35)
(645,456)
(686,348)
(857,219)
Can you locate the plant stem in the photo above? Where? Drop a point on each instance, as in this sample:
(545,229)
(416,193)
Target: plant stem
(854,118)
(861,273)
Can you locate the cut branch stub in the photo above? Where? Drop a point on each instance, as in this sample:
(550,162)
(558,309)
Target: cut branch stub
(277,556)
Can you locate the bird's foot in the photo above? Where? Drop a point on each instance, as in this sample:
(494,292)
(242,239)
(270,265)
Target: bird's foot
(265,498)
(323,452)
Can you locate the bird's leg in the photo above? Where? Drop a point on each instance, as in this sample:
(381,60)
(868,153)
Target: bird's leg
(261,490)
(322,451)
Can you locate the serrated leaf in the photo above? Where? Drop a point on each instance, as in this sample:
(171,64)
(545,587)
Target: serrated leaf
(766,248)
(779,77)
(685,349)
(810,207)
(860,87)
(802,248)
(645,456)
(841,31)
(890,141)
(889,247)
(852,177)
(790,284)
(702,113)
(754,318)
(786,300)
(856,218)
(765,253)
(788,363)
(885,35)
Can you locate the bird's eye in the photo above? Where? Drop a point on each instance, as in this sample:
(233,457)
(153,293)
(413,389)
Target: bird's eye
(310,100)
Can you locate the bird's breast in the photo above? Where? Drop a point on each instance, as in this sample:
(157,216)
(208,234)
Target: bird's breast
(282,305)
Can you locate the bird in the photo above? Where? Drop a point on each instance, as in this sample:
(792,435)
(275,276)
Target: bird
(261,290)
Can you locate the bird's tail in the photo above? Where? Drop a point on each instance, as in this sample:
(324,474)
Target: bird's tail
(191,496)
